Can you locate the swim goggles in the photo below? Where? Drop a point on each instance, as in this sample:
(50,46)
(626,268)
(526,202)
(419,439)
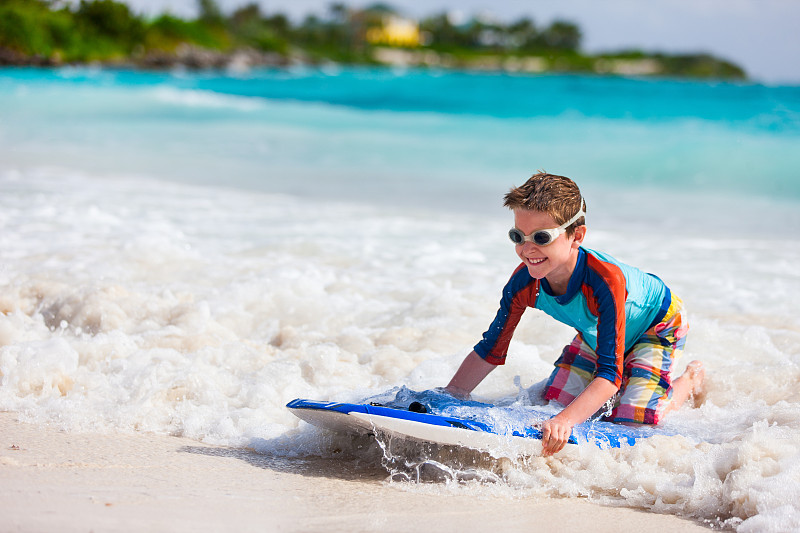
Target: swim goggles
(544,237)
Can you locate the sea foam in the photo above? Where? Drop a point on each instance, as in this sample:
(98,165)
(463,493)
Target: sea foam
(178,315)
(180,264)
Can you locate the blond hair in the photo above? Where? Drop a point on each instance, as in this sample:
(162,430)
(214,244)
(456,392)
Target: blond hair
(558,196)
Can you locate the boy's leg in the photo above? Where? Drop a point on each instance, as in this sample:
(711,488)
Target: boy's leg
(647,389)
(690,383)
(574,369)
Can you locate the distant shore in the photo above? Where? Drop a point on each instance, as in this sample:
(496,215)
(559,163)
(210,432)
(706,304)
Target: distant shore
(242,59)
(189,57)
(108,33)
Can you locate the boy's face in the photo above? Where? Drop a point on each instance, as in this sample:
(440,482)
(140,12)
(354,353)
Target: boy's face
(556,261)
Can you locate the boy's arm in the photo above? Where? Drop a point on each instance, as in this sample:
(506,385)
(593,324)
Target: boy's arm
(469,375)
(556,431)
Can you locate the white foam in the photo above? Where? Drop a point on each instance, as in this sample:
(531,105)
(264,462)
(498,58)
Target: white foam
(138,305)
(205,99)
(133,303)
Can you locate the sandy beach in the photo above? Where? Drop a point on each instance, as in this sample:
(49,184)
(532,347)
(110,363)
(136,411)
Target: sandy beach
(58,481)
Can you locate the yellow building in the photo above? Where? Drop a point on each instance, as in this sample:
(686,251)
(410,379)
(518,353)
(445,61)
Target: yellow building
(395,31)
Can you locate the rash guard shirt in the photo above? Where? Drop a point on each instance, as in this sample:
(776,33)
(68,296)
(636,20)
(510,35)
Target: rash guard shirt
(609,303)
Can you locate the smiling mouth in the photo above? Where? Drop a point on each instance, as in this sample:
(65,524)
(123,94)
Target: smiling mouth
(537,261)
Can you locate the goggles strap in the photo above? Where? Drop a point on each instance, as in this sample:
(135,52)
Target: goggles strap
(578,215)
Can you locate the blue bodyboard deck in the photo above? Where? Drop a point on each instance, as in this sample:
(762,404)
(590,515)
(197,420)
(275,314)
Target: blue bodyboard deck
(470,424)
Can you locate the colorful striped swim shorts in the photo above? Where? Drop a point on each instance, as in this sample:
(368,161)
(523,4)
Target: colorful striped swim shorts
(646,376)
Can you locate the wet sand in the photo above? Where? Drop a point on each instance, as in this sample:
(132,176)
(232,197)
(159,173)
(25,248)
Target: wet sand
(57,481)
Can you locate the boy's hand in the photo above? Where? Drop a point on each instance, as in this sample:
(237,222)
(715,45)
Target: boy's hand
(556,431)
(455,392)
(555,434)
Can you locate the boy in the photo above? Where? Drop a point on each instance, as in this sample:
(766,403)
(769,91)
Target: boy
(630,326)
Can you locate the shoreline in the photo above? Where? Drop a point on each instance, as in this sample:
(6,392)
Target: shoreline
(243,59)
(58,481)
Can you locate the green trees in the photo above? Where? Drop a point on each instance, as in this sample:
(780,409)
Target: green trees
(560,35)
(253,29)
(31,28)
(52,32)
(98,29)
(519,36)
(167,32)
(107,29)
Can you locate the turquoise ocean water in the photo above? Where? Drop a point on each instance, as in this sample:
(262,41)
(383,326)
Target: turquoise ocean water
(414,133)
(186,252)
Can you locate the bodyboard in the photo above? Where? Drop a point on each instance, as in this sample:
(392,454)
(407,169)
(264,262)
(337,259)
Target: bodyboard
(475,425)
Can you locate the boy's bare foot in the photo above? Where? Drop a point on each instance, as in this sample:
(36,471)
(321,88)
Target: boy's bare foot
(688,385)
(696,374)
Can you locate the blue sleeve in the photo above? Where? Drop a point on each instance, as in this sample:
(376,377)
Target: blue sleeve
(519,293)
(606,297)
